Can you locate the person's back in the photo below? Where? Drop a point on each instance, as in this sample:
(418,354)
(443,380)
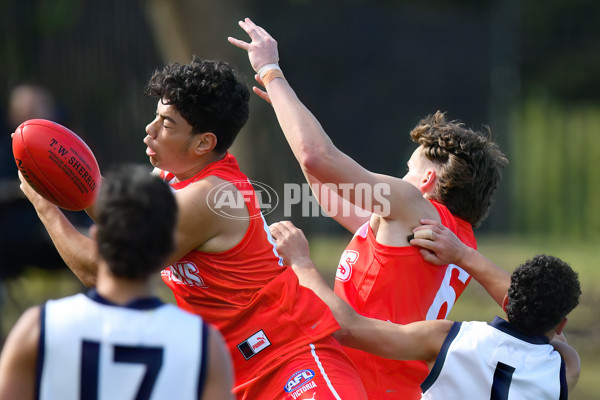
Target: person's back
(395,284)
(96,349)
(495,358)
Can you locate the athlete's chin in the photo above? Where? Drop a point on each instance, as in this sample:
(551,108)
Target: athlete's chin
(154,161)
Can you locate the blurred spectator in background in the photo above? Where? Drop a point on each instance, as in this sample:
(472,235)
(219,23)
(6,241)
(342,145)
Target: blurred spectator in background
(29,101)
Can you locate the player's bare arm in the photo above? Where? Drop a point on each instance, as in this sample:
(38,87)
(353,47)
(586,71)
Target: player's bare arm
(19,358)
(417,341)
(440,246)
(75,248)
(220,370)
(318,156)
(335,206)
(199,227)
(571,359)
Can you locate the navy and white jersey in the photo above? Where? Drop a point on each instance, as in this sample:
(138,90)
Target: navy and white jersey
(494,361)
(91,349)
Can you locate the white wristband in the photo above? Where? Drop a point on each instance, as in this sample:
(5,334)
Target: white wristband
(267,67)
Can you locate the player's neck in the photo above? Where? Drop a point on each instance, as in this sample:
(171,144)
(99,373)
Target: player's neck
(122,291)
(202,163)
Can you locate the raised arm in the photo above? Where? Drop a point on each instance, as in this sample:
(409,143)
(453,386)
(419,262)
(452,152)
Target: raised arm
(335,206)
(417,341)
(76,249)
(316,153)
(440,246)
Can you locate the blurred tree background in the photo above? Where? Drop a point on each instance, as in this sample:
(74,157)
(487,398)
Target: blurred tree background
(369,70)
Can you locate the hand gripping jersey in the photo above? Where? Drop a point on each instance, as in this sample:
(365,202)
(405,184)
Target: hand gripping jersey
(494,361)
(396,284)
(92,349)
(256,303)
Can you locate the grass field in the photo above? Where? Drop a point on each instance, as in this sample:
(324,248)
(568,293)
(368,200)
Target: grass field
(583,329)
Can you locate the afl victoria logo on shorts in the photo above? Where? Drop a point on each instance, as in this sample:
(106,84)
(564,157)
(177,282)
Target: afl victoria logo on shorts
(299,379)
(344,271)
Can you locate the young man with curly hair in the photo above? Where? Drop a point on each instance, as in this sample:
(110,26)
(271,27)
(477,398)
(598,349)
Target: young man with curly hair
(505,359)
(117,340)
(451,178)
(224,266)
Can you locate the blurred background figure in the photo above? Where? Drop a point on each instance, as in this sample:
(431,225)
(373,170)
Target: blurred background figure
(28,101)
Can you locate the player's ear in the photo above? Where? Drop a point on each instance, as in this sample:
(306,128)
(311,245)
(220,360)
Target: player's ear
(205,142)
(93,230)
(505,302)
(428,181)
(561,326)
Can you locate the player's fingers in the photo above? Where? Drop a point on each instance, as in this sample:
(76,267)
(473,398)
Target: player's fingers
(249,27)
(429,256)
(424,244)
(238,43)
(288,224)
(262,94)
(275,230)
(285,228)
(427,221)
(424,234)
(263,32)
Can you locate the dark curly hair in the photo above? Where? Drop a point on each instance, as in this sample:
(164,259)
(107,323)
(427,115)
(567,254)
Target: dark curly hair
(469,165)
(208,96)
(136,216)
(542,292)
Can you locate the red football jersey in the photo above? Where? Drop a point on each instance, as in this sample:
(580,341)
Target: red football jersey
(396,284)
(246,292)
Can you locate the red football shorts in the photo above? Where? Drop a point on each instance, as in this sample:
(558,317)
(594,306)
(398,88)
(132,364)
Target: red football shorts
(319,371)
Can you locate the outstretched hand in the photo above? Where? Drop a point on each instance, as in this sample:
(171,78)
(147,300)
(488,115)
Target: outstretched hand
(262,49)
(438,244)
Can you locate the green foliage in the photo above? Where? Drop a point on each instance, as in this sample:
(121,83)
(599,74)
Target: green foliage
(555,159)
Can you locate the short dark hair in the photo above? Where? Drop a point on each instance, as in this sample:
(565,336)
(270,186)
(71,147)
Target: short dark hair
(208,96)
(136,216)
(469,164)
(542,292)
